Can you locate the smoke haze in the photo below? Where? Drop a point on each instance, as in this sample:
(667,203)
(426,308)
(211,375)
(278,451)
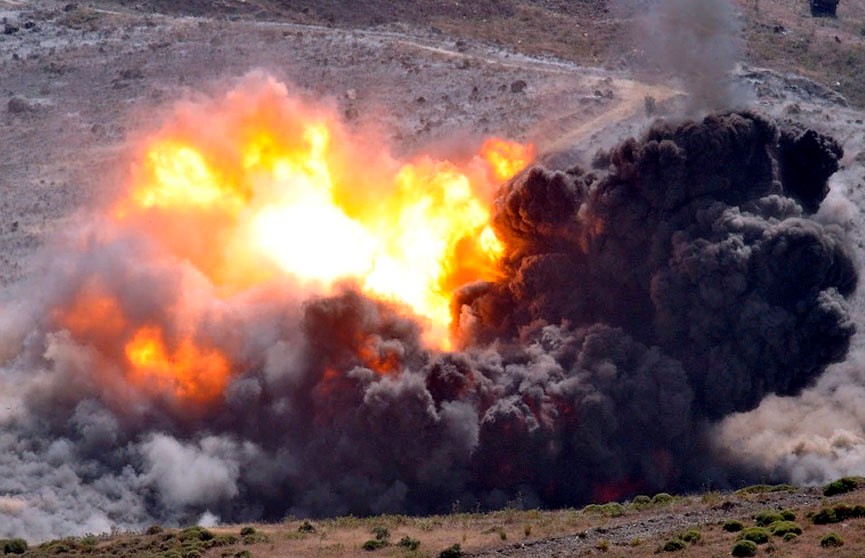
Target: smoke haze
(680,280)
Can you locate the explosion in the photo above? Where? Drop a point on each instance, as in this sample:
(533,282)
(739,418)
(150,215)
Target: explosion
(278,316)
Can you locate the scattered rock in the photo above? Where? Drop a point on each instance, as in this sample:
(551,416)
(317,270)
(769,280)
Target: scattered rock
(519,86)
(351,94)
(19,105)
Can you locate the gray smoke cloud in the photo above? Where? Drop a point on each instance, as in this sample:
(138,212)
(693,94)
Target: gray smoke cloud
(679,281)
(697,41)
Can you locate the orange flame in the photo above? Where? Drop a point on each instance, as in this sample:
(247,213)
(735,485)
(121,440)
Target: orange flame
(259,185)
(188,371)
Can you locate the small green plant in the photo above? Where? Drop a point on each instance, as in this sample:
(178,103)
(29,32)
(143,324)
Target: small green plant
(641,501)
(831,540)
(733,526)
(14,546)
(744,548)
(767,517)
(453,551)
(674,545)
(306,527)
(373,544)
(781,528)
(758,535)
(662,499)
(841,486)
(409,543)
(691,536)
(788,515)
(381,533)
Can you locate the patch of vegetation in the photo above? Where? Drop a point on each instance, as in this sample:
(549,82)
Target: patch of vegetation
(758,535)
(767,517)
(373,544)
(613,509)
(662,499)
(453,551)
(788,515)
(306,527)
(691,536)
(781,528)
(744,548)
(841,486)
(733,526)
(674,545)
(640,502)
(766,488)
(790,537)
(409,543)
(831,540)
(603,545)
(837,514)
(14,546)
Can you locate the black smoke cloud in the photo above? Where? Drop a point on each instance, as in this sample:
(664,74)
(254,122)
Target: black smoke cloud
(677,282)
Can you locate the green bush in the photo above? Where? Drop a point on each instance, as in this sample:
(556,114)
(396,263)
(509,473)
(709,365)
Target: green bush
(613,509)
(246,531)
(195,533)
(674,545)
(453,551)
(781,528)
(837,514)
(790,537)
(373,544)
(409,543)
(14,546)
(788,515)
(744,548)
(381,533)
(733,526)
(225,540)
(766,488)
(767,517)
(831,540)
(306,527)
(757,535)
(691,536)
(662,498)
(641,501)
(841,486)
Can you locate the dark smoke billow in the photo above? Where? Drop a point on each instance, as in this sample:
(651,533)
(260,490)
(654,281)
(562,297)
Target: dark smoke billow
(678,281)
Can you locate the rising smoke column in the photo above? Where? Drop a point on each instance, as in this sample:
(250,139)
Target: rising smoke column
(677,282)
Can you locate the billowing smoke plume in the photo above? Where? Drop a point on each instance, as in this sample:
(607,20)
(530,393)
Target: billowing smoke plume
(677,282)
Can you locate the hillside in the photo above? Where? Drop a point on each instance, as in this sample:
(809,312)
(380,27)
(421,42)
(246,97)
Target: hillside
(701,525)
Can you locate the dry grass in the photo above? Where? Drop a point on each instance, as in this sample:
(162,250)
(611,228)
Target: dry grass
(614,530)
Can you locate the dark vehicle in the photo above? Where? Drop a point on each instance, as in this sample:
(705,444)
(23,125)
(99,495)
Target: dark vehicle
(823,7)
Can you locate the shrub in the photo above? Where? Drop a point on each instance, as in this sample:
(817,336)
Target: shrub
(781,528)
(306,527)
(373,544)
(153,530)
(614,509)
(788,515)
(603,545)
(766,488)
(246,531)
(14,546)
(733,526)
(841,486)
(454,551)
(757,535)
(790,537)
(195,533)
(674,545)
(836,514)
(767,517)
(691,536)
(409,543)
(662,498)
(225,540)
(242,554)
(744,548)
(381,533)
(831,540)
(641,501)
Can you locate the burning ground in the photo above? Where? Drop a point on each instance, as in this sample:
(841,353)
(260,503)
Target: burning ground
(274,313)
